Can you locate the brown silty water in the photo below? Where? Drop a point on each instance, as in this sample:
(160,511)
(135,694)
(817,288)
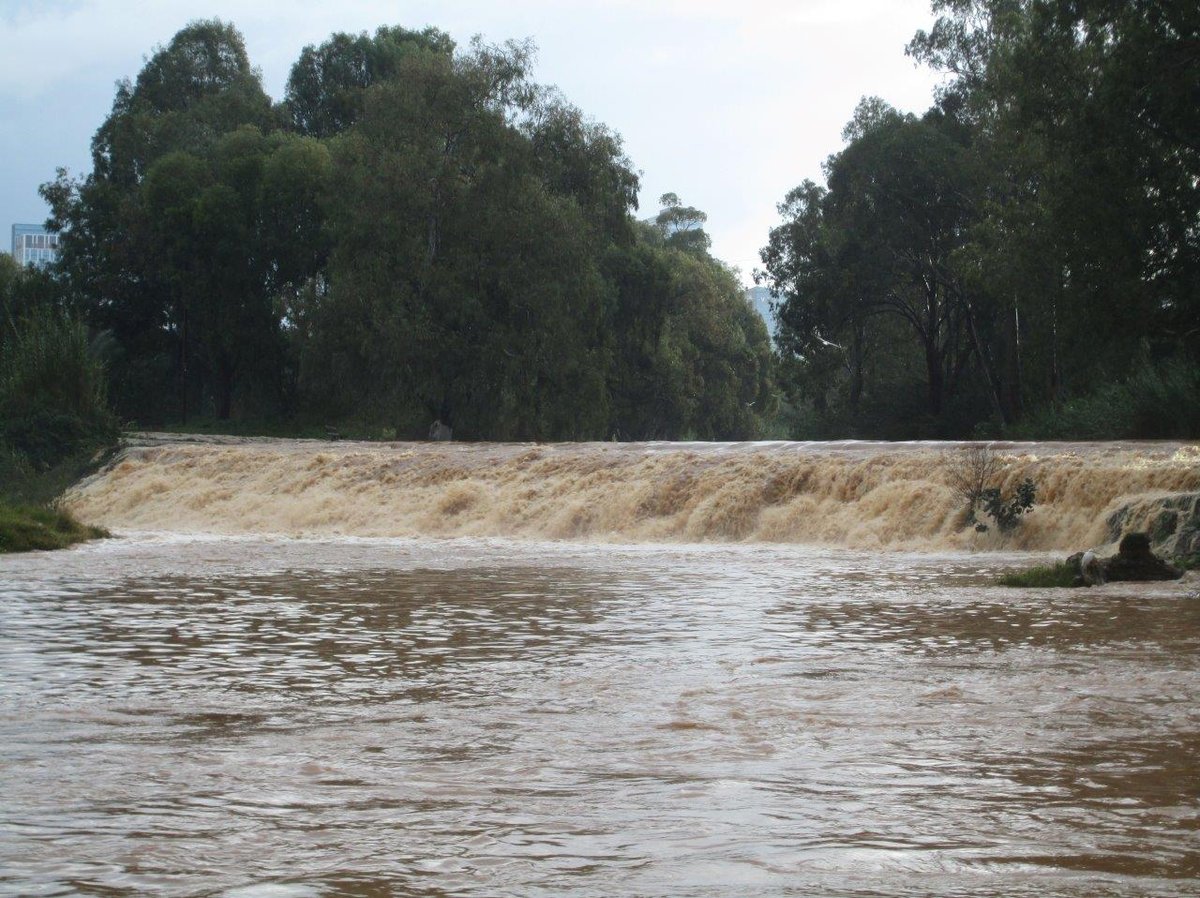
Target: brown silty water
(414,692)
(851,494)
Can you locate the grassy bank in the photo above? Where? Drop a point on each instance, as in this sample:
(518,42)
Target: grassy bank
(24,528)
(29,519)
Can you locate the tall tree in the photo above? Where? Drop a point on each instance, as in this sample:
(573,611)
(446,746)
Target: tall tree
(462,278)
(189,94)
(881,241)
(326,86)
(1085,115)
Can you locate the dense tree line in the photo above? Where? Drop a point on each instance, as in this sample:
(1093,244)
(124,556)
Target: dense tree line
(417,231)
(1022,258)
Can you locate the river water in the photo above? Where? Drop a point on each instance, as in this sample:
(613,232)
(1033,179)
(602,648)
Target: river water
(382,717)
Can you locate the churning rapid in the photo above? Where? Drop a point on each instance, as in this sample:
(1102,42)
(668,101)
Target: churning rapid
(853,494)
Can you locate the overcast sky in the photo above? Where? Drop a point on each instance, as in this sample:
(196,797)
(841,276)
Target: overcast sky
(729,104)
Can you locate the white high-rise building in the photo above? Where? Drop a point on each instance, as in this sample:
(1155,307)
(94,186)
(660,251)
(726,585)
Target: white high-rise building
(33,245)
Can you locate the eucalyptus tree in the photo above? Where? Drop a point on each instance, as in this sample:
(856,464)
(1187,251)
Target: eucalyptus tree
(189,94)
(232,232)
(464,274)
(880,247)
(326,86)
(1085,114)
(681,227)
(691,358)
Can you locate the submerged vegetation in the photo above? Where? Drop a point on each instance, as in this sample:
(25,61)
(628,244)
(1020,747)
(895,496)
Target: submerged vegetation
(975,474)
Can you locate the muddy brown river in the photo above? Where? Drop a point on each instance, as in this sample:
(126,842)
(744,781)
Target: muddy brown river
(275,718)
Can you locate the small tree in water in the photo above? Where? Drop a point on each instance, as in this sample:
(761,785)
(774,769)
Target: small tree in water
(1006,512)
(972,472)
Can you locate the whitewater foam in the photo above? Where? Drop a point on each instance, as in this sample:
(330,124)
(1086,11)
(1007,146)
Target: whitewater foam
(851,493)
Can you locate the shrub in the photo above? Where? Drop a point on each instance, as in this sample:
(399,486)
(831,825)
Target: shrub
(971,473)
(1155,402)
(1007,511)
(52,394)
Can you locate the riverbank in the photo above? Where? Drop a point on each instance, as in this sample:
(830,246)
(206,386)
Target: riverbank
(30,518)
(25,529)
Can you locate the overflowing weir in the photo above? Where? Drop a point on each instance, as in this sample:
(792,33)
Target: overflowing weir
(854,494)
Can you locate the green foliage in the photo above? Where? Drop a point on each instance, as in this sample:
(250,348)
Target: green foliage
(1033,234)
(682,227)
(1006,511)
(691,356)
(25,529)
(327,85)
(463,287)
(52,388)
(1155,402)
(418,233)
(1050,576)
(148,251)
(865,268)
(46,362)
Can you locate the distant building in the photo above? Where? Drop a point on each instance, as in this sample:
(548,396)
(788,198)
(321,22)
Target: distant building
(33,245)
(760,299)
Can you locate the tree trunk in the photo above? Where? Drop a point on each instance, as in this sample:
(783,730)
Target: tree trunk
(933,366)
(225,379)
(183,366)
(1013,406)
(856,368)
(989,373)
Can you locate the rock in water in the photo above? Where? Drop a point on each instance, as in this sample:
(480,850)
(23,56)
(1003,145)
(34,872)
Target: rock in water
(1091,569)
(1135,561)
(1088,568)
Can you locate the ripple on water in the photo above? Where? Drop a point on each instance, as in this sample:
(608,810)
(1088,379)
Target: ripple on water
(261,718)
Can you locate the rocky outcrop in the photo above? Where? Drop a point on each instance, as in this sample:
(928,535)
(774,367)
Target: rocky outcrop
(1171,522)
(1091,569)
(1135,561)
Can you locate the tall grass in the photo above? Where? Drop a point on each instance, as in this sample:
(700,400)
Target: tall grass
(1057,575)
(46,362)
(52,388)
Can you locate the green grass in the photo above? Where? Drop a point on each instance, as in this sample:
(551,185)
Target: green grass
(29,519)
(24,528)
(23,484)
(1043,576)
